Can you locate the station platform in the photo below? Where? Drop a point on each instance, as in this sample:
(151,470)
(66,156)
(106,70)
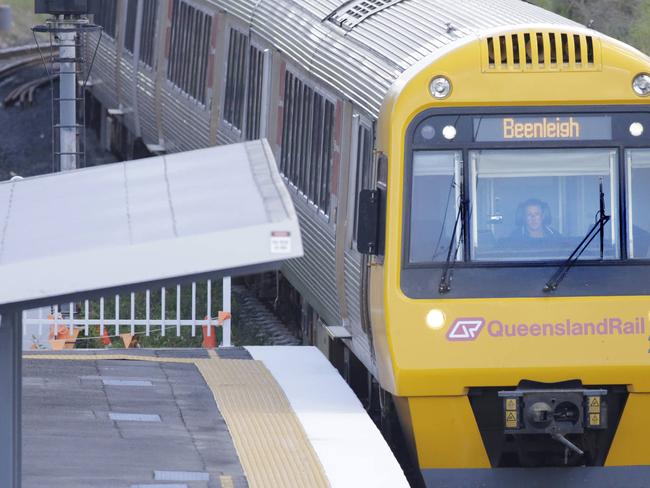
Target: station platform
(263,416)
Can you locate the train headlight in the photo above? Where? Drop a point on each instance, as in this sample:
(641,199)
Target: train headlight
(641,85)
(440,87)
(449,132)
(435,319)
(636,129)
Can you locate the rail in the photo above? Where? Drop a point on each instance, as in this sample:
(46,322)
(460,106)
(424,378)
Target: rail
(14,59)
(18,51)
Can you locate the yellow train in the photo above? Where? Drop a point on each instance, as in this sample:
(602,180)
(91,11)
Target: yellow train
(492,272)
(493,357)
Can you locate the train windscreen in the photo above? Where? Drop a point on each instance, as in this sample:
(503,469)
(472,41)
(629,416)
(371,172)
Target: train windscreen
(539,204)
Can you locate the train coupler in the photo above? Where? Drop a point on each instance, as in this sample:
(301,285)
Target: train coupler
(555,412)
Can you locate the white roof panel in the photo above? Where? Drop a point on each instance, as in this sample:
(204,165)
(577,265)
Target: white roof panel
(173,216)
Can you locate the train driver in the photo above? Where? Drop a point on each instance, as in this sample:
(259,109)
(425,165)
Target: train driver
(533,223)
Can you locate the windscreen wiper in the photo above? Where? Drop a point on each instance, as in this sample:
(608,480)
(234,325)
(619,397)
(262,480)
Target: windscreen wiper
(598,228)
(454,245)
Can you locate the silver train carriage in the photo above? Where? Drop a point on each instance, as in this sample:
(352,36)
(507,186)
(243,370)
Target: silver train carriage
(309,75)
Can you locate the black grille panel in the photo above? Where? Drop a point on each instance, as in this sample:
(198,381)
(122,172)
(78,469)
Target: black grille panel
(540,51)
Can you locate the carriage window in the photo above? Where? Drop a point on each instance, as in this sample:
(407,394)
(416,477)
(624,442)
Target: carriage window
(233,110)
(307,139)
(638,205)
(129,32)
(188,55)
(148,28)
(147,38)
(105,14)
(435,197)
(254,97)
(536,205)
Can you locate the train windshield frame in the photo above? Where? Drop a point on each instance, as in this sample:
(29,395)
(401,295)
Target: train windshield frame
(507,166)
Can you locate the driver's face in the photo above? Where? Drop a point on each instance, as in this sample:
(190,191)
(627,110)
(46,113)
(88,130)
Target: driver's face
(534,218)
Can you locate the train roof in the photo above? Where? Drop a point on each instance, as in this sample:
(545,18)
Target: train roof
(360,47)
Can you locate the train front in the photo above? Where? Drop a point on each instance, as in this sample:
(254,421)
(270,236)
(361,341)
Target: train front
(511,310)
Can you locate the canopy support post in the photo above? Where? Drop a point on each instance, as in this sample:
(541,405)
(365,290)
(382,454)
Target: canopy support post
(10,398)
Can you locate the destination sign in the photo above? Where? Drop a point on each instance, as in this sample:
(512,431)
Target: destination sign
(543,128)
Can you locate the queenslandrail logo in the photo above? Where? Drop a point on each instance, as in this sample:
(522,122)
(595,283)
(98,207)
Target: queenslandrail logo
(465,329)
(468,329)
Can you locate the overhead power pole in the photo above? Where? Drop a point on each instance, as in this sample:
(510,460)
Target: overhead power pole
(66,28)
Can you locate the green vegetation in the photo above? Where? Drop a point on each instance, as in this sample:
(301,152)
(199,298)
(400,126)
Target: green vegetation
(640,30)
(23,20)
(626,20)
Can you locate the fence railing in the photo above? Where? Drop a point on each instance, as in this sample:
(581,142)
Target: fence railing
(139,313)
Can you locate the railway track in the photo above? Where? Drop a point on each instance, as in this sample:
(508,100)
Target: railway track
(18,51)
(268,329)
(16,59)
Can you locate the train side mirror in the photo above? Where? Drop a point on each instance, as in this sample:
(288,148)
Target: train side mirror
(368,222)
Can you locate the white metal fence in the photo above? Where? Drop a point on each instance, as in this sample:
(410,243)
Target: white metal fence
(78,318)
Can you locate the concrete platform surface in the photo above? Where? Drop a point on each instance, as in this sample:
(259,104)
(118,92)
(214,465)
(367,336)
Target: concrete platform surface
(70,441)
(264,417)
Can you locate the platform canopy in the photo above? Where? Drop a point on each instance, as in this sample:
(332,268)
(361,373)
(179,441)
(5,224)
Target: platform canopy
(212,212)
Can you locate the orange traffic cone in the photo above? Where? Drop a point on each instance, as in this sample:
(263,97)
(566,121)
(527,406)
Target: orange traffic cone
(105,339)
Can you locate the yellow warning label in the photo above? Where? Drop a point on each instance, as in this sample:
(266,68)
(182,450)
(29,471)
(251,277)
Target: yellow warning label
(594,419)
(594,404)
(511,404)
(511,420)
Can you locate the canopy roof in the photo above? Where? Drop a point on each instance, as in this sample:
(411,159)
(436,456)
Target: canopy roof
(217,211)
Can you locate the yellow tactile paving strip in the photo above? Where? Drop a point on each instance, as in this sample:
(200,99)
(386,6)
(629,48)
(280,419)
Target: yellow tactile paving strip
(270,441)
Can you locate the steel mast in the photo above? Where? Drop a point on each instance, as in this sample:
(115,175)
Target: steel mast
(67,28)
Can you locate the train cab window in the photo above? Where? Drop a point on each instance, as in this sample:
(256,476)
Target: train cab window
(638,205)
(538,205)
(435,197)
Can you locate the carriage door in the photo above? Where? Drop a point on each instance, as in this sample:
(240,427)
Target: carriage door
(363,176)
